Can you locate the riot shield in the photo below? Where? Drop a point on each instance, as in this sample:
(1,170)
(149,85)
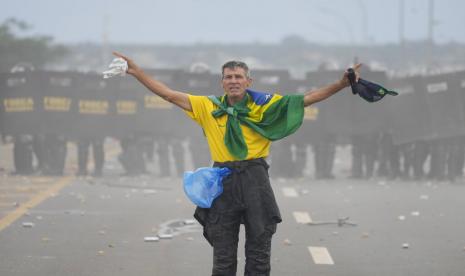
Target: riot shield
(57,92)
(444,105)
(157,116)
(365,117)
(409,118)
(3,87)
(345,114)
(460,76)
(125,105)
(91,107)
(203,83)
(334,112)
(21,103)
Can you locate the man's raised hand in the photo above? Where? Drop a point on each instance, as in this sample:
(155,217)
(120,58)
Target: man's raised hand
(345,78)
(132,67)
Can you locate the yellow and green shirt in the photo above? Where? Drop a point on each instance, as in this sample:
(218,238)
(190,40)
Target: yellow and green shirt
(260,127)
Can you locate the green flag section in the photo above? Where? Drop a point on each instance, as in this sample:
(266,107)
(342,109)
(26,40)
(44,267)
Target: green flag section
(279,119)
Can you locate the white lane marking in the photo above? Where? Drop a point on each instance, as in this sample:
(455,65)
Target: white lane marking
(289,192)
(320,255)
(302,217)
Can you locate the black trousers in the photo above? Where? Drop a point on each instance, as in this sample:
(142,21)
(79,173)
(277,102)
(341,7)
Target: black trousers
(225,236)
(247,198)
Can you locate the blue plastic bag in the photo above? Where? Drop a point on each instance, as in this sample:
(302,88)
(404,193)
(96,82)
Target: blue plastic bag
(204,185)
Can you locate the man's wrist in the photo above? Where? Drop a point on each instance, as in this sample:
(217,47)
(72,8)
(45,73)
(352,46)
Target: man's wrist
(137,72)
(341,84)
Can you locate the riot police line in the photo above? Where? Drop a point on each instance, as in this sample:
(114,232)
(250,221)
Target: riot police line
(418,134)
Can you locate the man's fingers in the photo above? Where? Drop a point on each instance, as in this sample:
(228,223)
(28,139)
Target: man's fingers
(357,66)
(120,55)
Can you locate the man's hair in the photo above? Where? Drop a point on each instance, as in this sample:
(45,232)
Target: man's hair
(233,64)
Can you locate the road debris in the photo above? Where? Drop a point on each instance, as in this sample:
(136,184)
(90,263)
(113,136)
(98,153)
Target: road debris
(340,222)
(189,221)
(165,236)
(149,191)
(151,239)
(415,213)
(287,242)
(28,224)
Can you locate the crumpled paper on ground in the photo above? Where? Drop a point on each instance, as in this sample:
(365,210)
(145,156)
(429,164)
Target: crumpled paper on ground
(117,67)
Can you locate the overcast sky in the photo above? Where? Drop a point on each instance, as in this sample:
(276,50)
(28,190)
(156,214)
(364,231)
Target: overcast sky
(192,21)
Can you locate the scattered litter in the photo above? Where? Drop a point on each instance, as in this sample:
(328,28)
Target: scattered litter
(382,183)
(302,217)
(102,232)
(16,204)
(340,222)
(335,233)
(28,224)
(45,239)
(405,245)
(365,235)
(189,238)
(424,197)
(111,246)
(289,192)
(415,213)
(305,191)
(39,217)
(287,242)
(101,253)
(189,221)
(175,227)
(151,239)
(401,217)
(165,236)
(149,191)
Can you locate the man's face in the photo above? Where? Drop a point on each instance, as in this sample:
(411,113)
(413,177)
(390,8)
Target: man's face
(235,81)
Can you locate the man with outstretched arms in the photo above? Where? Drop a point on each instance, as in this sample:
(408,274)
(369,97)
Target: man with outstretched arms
(239,127)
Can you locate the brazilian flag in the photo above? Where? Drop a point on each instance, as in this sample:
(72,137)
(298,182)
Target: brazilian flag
(271,115)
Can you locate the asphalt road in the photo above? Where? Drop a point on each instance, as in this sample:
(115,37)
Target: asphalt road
(78,226)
